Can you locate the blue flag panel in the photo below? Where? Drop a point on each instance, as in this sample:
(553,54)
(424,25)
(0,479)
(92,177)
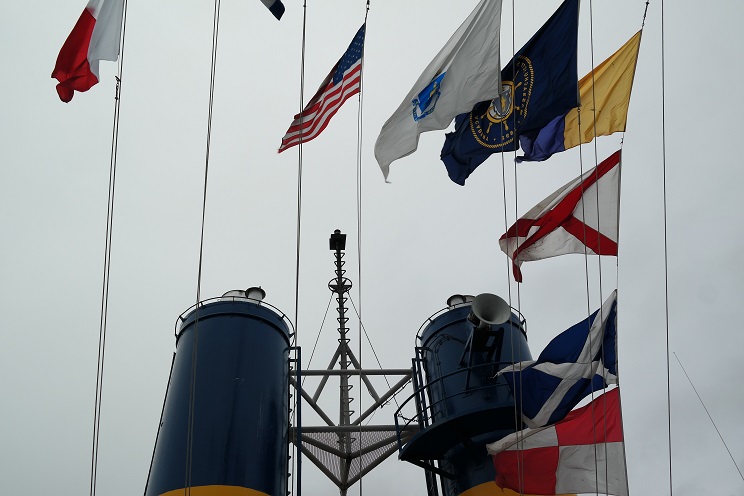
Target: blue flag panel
(577,362)
(539,84)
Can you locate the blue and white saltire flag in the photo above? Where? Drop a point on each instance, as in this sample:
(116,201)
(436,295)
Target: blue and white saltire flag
(466,71)
(575,363)
(276,7)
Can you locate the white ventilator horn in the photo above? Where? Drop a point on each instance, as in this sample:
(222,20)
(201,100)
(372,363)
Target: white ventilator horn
(490,309)
(458,299)
(255,293)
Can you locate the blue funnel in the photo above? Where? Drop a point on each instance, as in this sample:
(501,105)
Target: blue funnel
(226,414)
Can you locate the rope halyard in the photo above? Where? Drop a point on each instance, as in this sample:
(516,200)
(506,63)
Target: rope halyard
(666,245)
(298,224)
(517,408)
(194,350)
(360,128)
(107,260)
(599,241)
(298,230)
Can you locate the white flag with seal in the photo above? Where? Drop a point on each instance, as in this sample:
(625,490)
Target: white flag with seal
(466,71)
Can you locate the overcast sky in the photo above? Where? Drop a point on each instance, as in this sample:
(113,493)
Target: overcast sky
(422,237)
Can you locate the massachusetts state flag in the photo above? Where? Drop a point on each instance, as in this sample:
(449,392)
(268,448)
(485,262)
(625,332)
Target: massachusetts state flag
(578,361)
(343,82)
(95,37)
(584,453)
(582,216)
(464,72)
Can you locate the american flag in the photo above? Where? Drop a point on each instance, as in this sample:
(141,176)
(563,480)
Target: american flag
(343,82)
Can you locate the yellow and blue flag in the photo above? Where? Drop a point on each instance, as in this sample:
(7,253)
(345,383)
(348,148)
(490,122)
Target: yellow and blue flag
(539,84)
(605,96)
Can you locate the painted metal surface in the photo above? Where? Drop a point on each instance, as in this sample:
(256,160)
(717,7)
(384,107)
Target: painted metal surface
(230,384)
(461,404)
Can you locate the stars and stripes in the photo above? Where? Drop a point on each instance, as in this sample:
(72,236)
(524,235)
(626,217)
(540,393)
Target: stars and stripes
(342,83)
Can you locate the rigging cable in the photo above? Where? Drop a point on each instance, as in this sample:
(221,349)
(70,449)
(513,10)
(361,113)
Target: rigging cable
(596,174)
(317,338)
(666,248)
(617,266)
(194,350)
(517,408)
(107,261)
(599,250)
(310,361)
(299,174)
(709,416)
(360,128)
(379,364)
(298,230)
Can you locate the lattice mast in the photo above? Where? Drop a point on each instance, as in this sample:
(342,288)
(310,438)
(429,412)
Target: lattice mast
(347,450)
(341,285)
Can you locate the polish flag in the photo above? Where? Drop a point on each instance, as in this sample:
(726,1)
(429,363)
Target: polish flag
(581,217)
(95,37)
(583,453)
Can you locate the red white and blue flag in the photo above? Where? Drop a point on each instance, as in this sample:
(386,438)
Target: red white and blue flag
(584,453)
(95,37)
(342,83)
(581,217)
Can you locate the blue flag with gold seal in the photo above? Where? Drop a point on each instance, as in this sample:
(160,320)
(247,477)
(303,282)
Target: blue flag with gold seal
(539,84)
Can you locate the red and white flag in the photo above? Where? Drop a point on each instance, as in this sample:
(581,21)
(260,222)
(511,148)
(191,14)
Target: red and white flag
(343,82)
(582,216)
(583,453)
(95,37)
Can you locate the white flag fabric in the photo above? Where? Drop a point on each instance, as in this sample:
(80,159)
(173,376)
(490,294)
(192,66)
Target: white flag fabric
(94,37)
(582,454)
(580,360)
(581,216)
(466,71)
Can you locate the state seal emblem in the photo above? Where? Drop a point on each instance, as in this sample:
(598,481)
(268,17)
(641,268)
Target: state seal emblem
(495,124)
(426,100)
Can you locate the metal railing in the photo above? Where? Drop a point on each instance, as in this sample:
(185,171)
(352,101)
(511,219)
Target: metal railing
(427,411)
(182,318)
(522,321)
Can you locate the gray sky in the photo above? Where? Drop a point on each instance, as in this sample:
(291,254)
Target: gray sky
(423,238)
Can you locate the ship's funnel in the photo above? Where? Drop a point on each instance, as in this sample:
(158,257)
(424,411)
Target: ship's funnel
(461,403)
(224,425)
